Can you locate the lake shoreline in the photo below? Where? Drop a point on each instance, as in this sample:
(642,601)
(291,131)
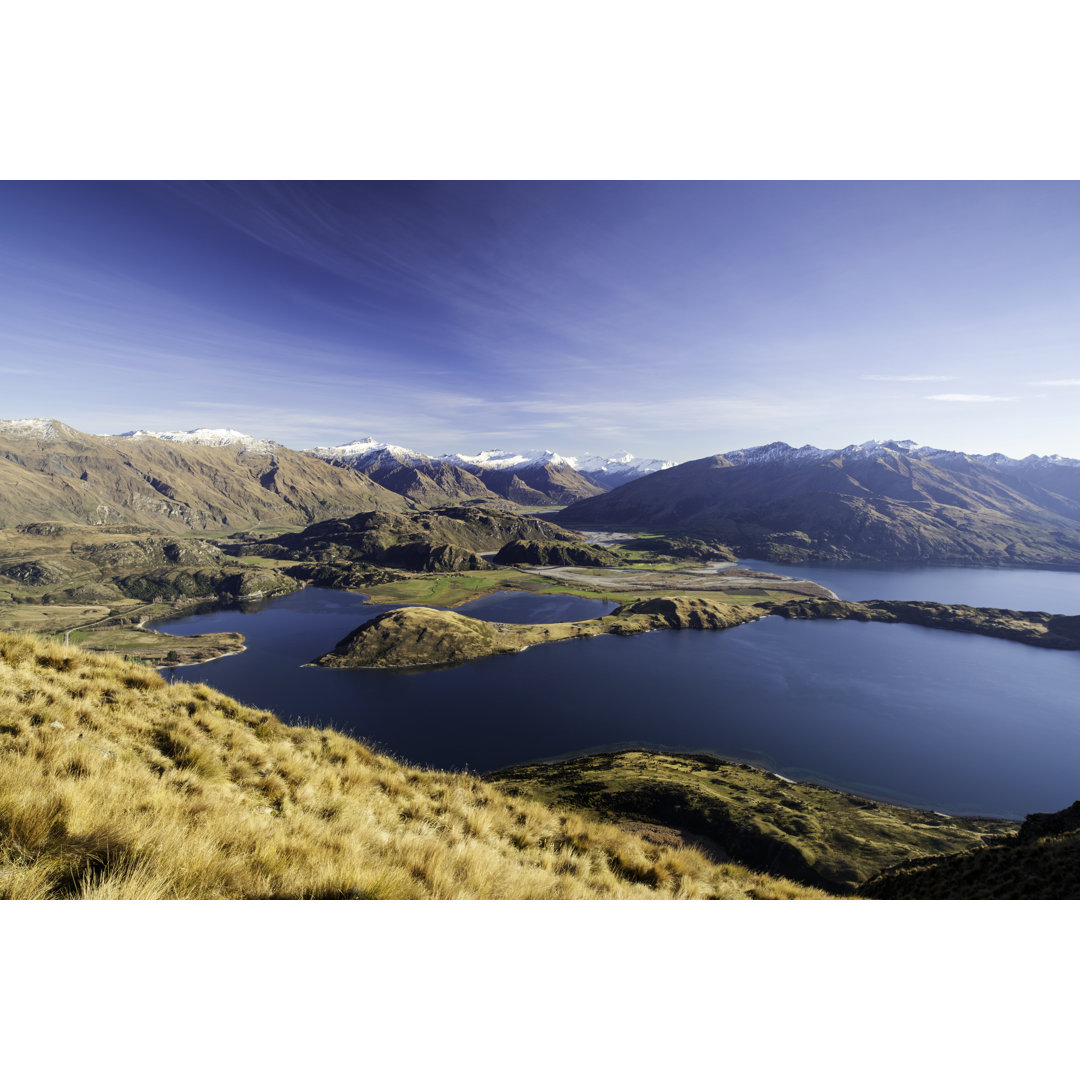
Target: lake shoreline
(719,759)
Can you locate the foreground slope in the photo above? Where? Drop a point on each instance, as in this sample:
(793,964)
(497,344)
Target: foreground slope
(1041,862)
(52,472)
(806,832)
(116,784)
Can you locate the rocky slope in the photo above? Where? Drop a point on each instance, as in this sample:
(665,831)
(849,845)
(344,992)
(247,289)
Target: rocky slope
(51,472)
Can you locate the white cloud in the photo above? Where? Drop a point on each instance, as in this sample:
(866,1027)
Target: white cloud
(1056,382)
(966,397)
(910,378)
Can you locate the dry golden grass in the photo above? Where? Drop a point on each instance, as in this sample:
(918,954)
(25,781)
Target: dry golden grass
(115,784)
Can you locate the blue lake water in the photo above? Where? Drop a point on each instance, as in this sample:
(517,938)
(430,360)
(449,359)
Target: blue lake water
(1022,590)
(955,722)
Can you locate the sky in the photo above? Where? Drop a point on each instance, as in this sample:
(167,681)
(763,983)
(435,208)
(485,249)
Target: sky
(666,319)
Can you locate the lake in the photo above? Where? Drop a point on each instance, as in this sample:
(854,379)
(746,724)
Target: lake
(954,722)
(1022,590)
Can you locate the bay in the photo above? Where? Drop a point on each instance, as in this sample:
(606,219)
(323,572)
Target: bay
(954,722)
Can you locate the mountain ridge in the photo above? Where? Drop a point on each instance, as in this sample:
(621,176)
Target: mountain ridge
(50,471)
(874,501)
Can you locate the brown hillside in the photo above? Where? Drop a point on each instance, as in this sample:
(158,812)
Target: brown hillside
(175,487)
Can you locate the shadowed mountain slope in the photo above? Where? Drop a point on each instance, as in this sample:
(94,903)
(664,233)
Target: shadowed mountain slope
(861,503)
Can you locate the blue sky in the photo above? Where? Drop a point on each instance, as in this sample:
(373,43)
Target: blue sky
(669,319)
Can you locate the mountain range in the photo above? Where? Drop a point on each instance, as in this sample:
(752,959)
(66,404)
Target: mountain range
(528,477)
(881,501)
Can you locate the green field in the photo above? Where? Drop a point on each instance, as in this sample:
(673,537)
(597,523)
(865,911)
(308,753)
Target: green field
(148,646)
(450,590)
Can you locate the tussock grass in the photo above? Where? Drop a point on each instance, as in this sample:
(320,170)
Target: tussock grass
(117,785)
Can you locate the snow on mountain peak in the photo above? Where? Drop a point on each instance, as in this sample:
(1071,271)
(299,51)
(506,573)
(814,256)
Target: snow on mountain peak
(362,451)
(621,464)
(207,437)
(35,427)
(508,459)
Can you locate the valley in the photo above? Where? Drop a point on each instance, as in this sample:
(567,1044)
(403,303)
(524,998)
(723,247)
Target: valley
(237,524)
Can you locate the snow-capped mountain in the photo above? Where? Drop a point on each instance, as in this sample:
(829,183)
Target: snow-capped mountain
(428,481)
(508,459)
(621,463)
(529,477)
(208,437)
(35,427)
(877,501)
(781,452)
(361,452)
(605,472)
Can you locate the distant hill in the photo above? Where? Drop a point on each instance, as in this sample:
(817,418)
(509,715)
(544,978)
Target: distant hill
(52,472)
(879,501)
(446,538)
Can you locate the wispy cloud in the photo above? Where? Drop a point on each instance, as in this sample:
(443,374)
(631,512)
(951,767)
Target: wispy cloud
(967,397)
(910,378)
(1055,382)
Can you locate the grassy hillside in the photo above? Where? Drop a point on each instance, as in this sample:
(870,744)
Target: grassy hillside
(805,831)
(116,784)
(74,477)
(1041,862)
(421,636)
